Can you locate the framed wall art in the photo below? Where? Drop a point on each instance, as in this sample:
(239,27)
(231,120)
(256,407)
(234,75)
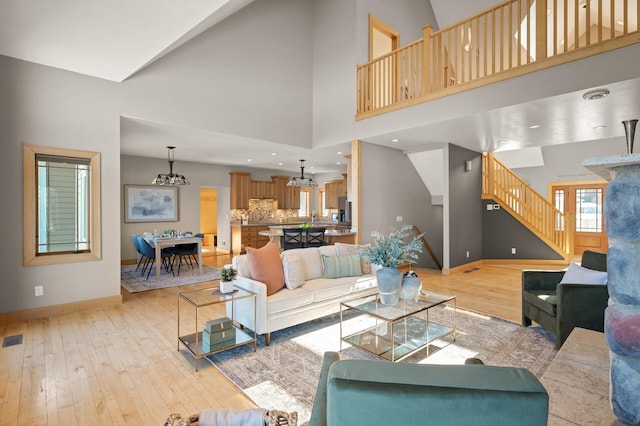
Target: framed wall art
(145,203)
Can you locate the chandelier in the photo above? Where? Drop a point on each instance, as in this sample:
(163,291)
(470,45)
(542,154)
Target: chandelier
(171,178)
(302,181)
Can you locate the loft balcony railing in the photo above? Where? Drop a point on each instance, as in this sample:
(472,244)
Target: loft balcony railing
(510,39)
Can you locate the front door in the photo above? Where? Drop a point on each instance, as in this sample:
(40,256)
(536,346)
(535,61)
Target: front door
(586,202)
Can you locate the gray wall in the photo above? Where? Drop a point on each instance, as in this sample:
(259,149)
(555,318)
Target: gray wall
(465,216)
(251,75)
(502,232)
(391,187)
(49,107)
(141,170)
(340,43)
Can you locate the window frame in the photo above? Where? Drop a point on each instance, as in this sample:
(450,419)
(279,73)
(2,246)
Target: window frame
(321,203)
(30,187)
(307,204)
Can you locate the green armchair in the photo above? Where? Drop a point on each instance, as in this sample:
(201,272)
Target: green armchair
(359,392)
(559,308)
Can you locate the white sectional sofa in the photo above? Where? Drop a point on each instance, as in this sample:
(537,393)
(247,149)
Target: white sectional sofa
(316,297)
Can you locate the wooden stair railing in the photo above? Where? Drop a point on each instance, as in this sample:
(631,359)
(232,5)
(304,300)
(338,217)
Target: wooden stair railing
(426,245)
(526,205)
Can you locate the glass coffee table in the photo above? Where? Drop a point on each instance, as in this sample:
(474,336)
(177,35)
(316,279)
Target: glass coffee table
(395,332)
(210,304)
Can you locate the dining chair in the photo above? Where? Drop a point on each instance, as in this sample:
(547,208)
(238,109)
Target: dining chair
(136,244)
(186,252)
(150,254)
(314,237)
(292,238)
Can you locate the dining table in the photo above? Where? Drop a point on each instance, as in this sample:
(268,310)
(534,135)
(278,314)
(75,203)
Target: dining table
(160,242)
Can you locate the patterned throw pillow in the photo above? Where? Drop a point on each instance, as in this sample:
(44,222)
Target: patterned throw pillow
(343,249)
(341,266)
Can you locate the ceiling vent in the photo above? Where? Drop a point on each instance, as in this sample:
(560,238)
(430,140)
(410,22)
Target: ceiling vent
(595,94)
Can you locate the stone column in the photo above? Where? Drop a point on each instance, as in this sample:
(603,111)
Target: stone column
(622,316)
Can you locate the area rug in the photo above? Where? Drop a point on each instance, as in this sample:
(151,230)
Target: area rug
(134,282)
(284,375)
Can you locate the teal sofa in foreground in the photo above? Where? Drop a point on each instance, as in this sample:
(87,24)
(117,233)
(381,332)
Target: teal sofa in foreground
(359,392)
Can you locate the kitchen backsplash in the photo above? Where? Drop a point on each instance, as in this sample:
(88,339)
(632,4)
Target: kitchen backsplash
(263,211)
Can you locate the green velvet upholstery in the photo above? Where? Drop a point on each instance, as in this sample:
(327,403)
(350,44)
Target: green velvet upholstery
(360,392)
(559,308)
(319,412)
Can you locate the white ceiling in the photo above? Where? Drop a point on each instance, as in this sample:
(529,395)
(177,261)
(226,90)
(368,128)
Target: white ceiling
(114,39)
(106,39)
(142,138)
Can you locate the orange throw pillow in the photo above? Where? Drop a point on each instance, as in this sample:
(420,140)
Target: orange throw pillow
(265,266)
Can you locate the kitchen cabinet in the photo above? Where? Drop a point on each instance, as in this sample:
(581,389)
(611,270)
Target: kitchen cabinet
(239,190)
(261,190)
(243,189)
(247,235)
(334,189)
(288,197)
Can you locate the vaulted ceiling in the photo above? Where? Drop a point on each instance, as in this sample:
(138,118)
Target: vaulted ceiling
(115,39)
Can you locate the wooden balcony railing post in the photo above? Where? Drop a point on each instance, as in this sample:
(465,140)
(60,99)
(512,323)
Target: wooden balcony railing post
(491,174)
(426,60)
(541,29)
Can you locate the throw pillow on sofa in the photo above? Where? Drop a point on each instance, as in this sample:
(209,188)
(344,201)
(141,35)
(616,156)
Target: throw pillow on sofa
(343,249)
(341,266)
(293,271)
(265,266)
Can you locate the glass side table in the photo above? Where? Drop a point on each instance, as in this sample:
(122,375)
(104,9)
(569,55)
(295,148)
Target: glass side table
(400,330)
(207,304)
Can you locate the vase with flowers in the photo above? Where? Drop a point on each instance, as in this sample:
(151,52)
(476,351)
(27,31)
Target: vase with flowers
(389,251)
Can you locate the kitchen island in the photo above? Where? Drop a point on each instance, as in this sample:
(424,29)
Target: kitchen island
(331,236)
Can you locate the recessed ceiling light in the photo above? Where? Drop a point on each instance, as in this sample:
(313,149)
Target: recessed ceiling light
(338,163)
(279,164)
(273,153)
(249,160)
(311,167)
(535,126)
(595,94)
(394,140)
(339,152)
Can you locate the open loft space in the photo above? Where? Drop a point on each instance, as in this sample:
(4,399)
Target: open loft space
(292,139)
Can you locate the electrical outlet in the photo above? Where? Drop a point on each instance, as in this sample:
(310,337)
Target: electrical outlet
(513,250)
(398,218)
(39,290)
(467,254)
(223,243)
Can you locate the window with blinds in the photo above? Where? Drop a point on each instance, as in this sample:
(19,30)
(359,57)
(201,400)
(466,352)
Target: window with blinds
(63,204)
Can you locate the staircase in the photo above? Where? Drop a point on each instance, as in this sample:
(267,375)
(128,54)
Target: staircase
(536,213)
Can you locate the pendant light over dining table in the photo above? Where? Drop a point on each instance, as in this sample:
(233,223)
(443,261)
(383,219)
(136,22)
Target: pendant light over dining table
(171,178)
(302,181)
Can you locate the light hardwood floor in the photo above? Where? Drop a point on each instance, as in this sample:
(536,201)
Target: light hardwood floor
(120,365)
